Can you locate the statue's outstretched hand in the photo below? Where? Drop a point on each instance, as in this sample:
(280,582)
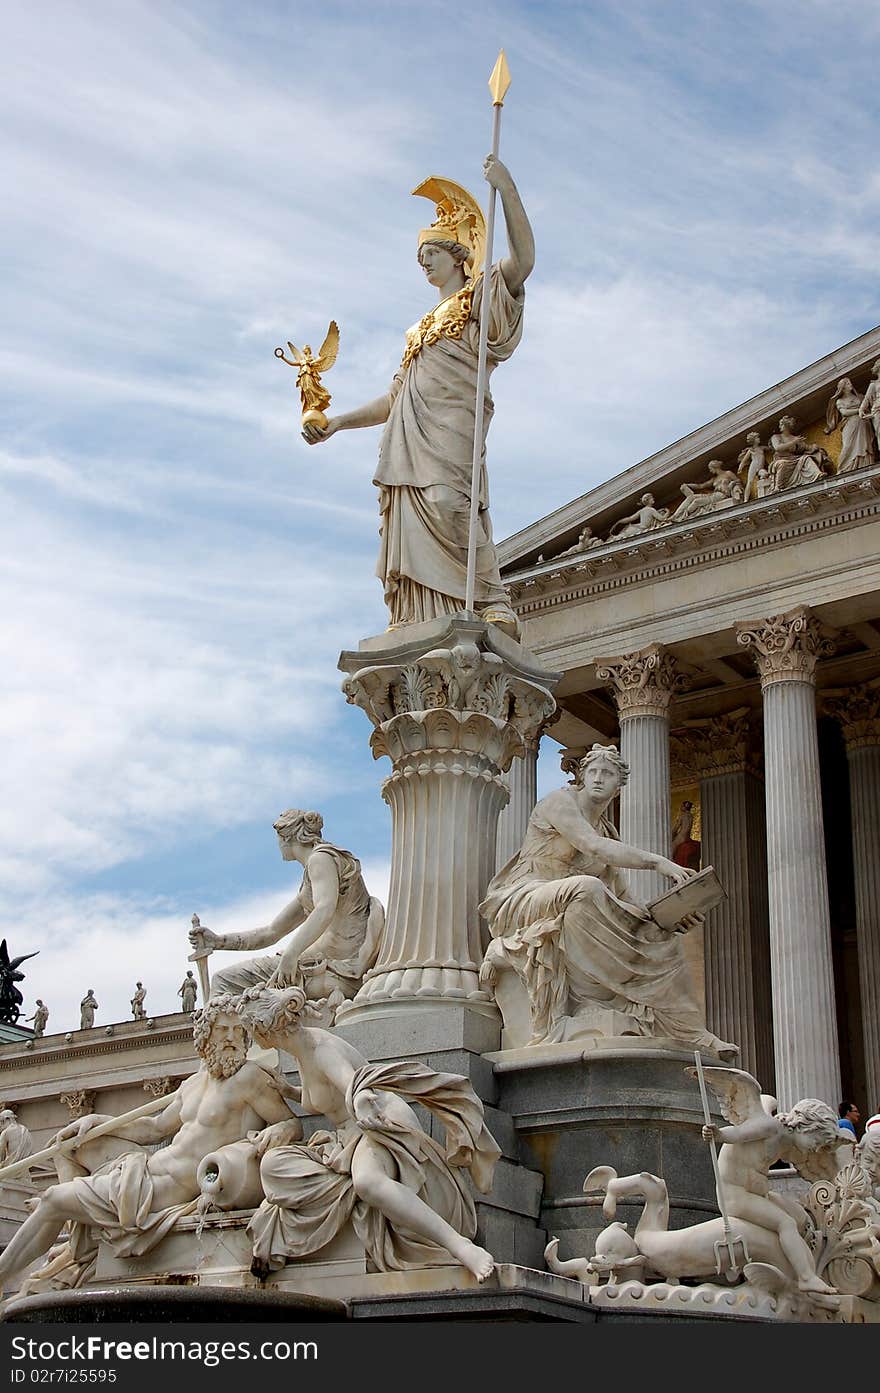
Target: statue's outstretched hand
(82,1124)
(204,939)
(316,435)
(679,874)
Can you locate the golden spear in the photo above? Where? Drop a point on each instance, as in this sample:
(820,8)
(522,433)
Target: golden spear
(499,81)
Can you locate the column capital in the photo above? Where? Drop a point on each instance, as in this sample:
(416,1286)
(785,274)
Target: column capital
(642,683)
(857,710)
(786,647)
(704,749)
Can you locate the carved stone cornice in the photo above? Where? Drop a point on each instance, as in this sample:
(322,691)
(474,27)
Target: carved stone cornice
(786,647)
(643,683)
(737,532)
(80,1102)
(704,749)
(857,709)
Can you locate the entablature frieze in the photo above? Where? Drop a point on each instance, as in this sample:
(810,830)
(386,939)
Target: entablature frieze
(843,502)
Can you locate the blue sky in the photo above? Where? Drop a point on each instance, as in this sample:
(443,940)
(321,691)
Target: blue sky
(188,185)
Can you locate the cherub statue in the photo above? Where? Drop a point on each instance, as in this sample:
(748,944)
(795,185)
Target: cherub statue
(315,397)
(807,1137)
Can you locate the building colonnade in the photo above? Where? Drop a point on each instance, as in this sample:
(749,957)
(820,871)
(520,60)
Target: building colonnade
(768,961)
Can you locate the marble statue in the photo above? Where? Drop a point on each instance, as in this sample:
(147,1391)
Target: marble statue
(764,485)
(751,461)
(562,920)
(188,991)
(429,414)
(132,1198)
(11,999)
(334,924)
(721,490)
(404,1192)
(644,519)
(769,1226)
(794,461)
(16,1141)
(856,440)
(39,1018)
(585,542)
(87,1008)
(870,407)
(807,1137)
(138,1010)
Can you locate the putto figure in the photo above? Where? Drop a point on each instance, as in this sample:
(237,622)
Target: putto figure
(314,395)
(561,917)
(430,412)
(333,922)
(807,1137)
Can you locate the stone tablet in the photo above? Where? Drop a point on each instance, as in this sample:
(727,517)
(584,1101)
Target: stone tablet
(702,892)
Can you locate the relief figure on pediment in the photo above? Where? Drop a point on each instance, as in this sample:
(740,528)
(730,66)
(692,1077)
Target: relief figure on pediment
(721,490)
(794,460)
(644,519)
(585,542)
(752,461)
(856,443)
(870,407)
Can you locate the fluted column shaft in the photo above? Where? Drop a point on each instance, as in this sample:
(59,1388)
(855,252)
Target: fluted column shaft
(807,1058)
(451,710)
(864,771)
(522,781)
(737,949)
(643,684)
(858,711)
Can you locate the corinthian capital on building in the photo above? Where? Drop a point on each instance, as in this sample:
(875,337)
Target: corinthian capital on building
(786,647)
(857,709)
(722,744)
(642,683)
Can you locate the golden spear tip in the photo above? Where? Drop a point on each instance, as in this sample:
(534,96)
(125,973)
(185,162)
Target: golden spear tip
(499,80)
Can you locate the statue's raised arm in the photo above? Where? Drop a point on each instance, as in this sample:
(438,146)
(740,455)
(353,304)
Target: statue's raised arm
(430,411)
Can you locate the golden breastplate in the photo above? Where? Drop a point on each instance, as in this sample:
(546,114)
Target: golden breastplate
(444,321)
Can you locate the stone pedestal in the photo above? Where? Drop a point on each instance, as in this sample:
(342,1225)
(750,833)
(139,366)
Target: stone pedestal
(643,685)
(858,711)
(453,702)
(719,753)
(621,1103)
(785,650)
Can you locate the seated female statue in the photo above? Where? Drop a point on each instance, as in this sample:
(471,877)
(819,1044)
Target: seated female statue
(561,916)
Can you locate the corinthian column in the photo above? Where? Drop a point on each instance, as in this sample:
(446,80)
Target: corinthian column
(451,710)
(785,649)
(719,752)
(858,712)
(522,783)
(643,685)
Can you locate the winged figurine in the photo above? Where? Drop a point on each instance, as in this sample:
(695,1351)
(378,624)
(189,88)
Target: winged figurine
(11,998)
(315,397)
(807,1137)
